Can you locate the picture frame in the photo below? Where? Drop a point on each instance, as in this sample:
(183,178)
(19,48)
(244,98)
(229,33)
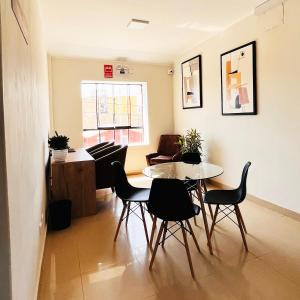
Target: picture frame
(21,19)
(238,81)
(191,73)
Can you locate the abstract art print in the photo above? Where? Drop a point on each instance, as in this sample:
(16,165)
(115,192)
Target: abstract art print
(191,83)
(238,80)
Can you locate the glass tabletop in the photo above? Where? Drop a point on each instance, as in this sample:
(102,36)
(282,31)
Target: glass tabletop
(182,171)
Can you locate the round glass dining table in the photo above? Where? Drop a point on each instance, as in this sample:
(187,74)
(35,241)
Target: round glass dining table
(185,171)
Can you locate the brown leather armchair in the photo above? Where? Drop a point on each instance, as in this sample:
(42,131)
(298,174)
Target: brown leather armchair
(168,150)
(104,171)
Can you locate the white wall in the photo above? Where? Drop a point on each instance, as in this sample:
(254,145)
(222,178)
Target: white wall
(67,75)
(270,140)
(26,115)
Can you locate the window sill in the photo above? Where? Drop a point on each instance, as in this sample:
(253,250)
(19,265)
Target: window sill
(138,145)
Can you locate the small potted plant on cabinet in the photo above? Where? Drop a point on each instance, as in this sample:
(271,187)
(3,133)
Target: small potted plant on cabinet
(59,146)
(191,146)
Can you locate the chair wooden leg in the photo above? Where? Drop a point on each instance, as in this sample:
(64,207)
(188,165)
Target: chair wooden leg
(164,234)
(156,244)
(151,216)
(153,219)
(152,231)
(193,235)
(241,218)
(187,249)
(128,211)
(241,227)
(209,206)
(120,221)
(203,211)
(214,221)
(210,211)
(144,222)
(195,221)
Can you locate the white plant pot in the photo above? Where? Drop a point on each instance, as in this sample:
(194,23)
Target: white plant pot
(59,155)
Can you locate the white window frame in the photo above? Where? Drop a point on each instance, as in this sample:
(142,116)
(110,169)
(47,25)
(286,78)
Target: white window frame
(145,106)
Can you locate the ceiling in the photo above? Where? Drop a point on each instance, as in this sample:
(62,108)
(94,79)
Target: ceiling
(98,28)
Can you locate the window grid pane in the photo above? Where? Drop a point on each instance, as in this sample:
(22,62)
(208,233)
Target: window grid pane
(117,107)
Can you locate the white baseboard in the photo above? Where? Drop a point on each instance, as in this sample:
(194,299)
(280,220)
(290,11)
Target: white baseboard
(43,242)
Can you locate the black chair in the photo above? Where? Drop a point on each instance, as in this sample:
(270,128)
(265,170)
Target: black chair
(95,147)
(104,171)
(129,194)
(229,198)
(169,201)
(97,150)
(192,185)
(106,150)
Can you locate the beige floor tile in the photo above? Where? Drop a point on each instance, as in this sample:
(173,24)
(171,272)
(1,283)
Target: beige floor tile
(71,289)
(129,281)
(83,262)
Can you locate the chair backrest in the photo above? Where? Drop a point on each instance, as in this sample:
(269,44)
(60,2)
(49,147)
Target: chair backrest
(191,158)
(104,151)
(95,147)
(122,185)
(104,170)
(169,200)
(168,144)
(242,189)
(102,147)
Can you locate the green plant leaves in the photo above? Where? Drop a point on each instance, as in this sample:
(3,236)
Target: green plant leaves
(58,142)
(191,142)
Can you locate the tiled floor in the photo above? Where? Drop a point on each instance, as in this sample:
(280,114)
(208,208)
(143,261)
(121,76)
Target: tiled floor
(83,262)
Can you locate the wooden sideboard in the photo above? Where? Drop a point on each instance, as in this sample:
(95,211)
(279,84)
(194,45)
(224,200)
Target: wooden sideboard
(75,180)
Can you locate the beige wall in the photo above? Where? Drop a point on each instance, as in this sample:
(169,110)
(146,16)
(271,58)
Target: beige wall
(271,139)
(25,104)
(67,111)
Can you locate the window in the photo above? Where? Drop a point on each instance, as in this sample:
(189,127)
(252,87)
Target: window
(114,111)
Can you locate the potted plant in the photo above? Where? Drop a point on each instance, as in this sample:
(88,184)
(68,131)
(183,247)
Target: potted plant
(191,146)
(59,146)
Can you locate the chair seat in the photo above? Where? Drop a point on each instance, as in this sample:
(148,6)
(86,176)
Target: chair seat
(160,159)
(222,197)
(137,195)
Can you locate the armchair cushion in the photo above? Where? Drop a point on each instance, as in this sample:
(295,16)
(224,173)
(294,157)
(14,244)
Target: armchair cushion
(150,156)
(160,159)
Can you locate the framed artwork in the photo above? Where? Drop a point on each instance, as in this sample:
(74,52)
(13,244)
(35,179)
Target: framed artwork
(238,80)
(21,18)
(191,83)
